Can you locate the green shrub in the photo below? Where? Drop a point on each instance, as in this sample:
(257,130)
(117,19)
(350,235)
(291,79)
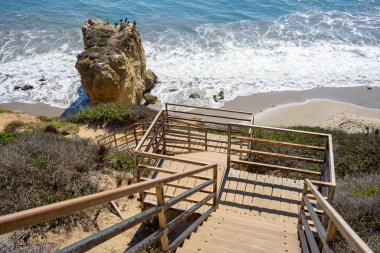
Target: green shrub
(57,126)
(124,162)
(353,153)
(42,168)
(6,137)
(112,114)
(15,126)
(357,199)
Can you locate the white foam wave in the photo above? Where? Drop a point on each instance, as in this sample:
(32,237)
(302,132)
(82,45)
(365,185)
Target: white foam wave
(296,52)
(244,71)
(60,89)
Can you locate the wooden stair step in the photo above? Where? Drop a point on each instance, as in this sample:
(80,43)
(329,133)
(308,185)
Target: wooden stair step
(254,218)
(224,233)
(252,222)
(205,248)
(280,232)
(205,244)
(254,233)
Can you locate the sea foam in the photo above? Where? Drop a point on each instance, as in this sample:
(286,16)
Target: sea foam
(298,51)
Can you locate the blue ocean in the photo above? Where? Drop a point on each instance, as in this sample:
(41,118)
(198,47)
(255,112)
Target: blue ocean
(241,47)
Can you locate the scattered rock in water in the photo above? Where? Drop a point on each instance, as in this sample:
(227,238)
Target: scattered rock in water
(369,87)
(24,87)
(221,94)
(194,95)
(43,83)
(173,89)
(42,79)
(150,80)
(150,99)
(219,97)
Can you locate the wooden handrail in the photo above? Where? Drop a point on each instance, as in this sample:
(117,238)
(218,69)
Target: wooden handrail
(327,235)
(209,115)
(277,155)
(211,109)
(123,130)
(276,129)
(279,143)
(149,130)
(37,215)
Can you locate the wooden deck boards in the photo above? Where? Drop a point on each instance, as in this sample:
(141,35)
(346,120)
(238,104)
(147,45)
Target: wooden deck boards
(244,193)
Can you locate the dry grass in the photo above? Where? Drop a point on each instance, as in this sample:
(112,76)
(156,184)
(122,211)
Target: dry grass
(358,200)
(38,168)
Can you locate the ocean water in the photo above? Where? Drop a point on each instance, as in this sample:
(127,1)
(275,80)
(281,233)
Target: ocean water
(241,47)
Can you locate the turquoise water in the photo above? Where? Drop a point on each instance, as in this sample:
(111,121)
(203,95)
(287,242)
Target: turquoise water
(240,47)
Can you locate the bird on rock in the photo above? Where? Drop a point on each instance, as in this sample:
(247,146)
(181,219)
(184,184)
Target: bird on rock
(116,24)
(125,20)
(121,21)
(134,22)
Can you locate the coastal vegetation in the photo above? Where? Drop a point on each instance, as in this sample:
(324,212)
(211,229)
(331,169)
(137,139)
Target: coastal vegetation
(40,165)
(111,114)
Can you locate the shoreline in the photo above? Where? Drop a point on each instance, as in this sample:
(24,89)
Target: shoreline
(359,96)
(39,109)
(353,109)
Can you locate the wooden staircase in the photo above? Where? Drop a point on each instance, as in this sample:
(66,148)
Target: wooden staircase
(224,232)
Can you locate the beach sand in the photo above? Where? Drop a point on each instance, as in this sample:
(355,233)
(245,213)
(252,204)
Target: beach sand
(38,109)
(353,109)
(322,113)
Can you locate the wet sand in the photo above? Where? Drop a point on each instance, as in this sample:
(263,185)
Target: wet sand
(38,109)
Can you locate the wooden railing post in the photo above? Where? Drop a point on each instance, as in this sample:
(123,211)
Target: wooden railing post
(215,186)
(138,177)
(114,139)
(229,149)
(162,218)
(206,139)
(302,205)
(188,137)
(330,235)
(126,137)
(241,147)
(163,134)
(135,133)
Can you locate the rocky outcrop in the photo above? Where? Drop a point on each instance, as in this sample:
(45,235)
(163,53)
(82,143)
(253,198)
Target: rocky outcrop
(112,67)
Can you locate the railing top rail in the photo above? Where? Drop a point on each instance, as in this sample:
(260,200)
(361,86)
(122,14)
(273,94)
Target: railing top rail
(11,222)
(148,130)
(101,138)
(347,232)
(209,115)
(172,158)
(280,130)
(211,109)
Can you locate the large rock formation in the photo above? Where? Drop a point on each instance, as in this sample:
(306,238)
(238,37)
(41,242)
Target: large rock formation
(112,67)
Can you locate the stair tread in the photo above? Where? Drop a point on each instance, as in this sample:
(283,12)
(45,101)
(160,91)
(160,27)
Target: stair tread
(253,223)
(209,243)
(245,240)
(290,239)
(253,218)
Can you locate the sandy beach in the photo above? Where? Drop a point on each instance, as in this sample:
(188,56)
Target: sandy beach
(353,109)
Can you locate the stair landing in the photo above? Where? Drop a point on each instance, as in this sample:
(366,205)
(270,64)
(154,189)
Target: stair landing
(241,192)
